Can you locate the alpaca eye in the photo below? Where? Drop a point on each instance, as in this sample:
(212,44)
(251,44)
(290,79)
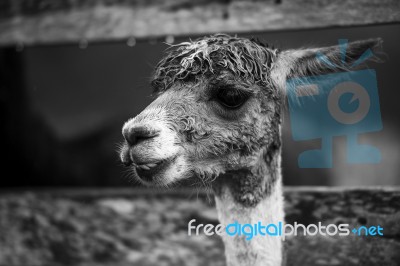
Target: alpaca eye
(231,98)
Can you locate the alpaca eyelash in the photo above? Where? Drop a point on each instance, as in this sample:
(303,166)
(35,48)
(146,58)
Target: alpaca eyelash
(237,92)
(241,92)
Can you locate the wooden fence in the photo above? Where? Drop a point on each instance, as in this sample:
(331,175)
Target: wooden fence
(28,22)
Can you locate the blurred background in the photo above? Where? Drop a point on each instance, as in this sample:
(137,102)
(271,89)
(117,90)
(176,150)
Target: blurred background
(62,107)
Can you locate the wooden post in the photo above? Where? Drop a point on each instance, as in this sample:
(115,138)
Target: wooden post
(35,22)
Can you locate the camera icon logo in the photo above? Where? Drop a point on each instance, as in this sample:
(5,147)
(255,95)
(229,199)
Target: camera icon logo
(358,92)
(338,104)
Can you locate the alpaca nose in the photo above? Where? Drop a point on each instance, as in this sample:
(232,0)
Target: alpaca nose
(137,133)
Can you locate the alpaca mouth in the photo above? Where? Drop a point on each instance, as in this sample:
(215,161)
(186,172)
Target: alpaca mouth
(148,171)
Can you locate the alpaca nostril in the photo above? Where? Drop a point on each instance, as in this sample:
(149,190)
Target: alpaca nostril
(135,134)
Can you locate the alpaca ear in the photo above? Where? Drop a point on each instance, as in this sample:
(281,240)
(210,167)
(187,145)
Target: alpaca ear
(317,61)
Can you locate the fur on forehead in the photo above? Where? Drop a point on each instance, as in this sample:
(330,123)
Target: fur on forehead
(248,59)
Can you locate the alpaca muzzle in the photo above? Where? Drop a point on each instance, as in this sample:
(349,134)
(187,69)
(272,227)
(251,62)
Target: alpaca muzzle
(150,150)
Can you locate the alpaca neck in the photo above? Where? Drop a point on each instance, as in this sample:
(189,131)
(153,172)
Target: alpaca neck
(248,197)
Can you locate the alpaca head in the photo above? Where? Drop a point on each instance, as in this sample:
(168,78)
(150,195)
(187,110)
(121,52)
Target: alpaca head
(217,108)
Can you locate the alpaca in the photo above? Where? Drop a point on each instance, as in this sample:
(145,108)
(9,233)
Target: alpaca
(216,117)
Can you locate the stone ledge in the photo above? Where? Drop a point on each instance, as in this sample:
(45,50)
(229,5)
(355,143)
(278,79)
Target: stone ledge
(145,227)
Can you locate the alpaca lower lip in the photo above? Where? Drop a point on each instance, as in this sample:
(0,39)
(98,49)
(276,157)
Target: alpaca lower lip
(148,166)
(146,171)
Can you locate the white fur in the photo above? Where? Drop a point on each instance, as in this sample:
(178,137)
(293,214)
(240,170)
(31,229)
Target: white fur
(283,65)
(176,172)
(260,250)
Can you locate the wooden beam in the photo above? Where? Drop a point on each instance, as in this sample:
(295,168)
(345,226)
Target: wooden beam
(34,22)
